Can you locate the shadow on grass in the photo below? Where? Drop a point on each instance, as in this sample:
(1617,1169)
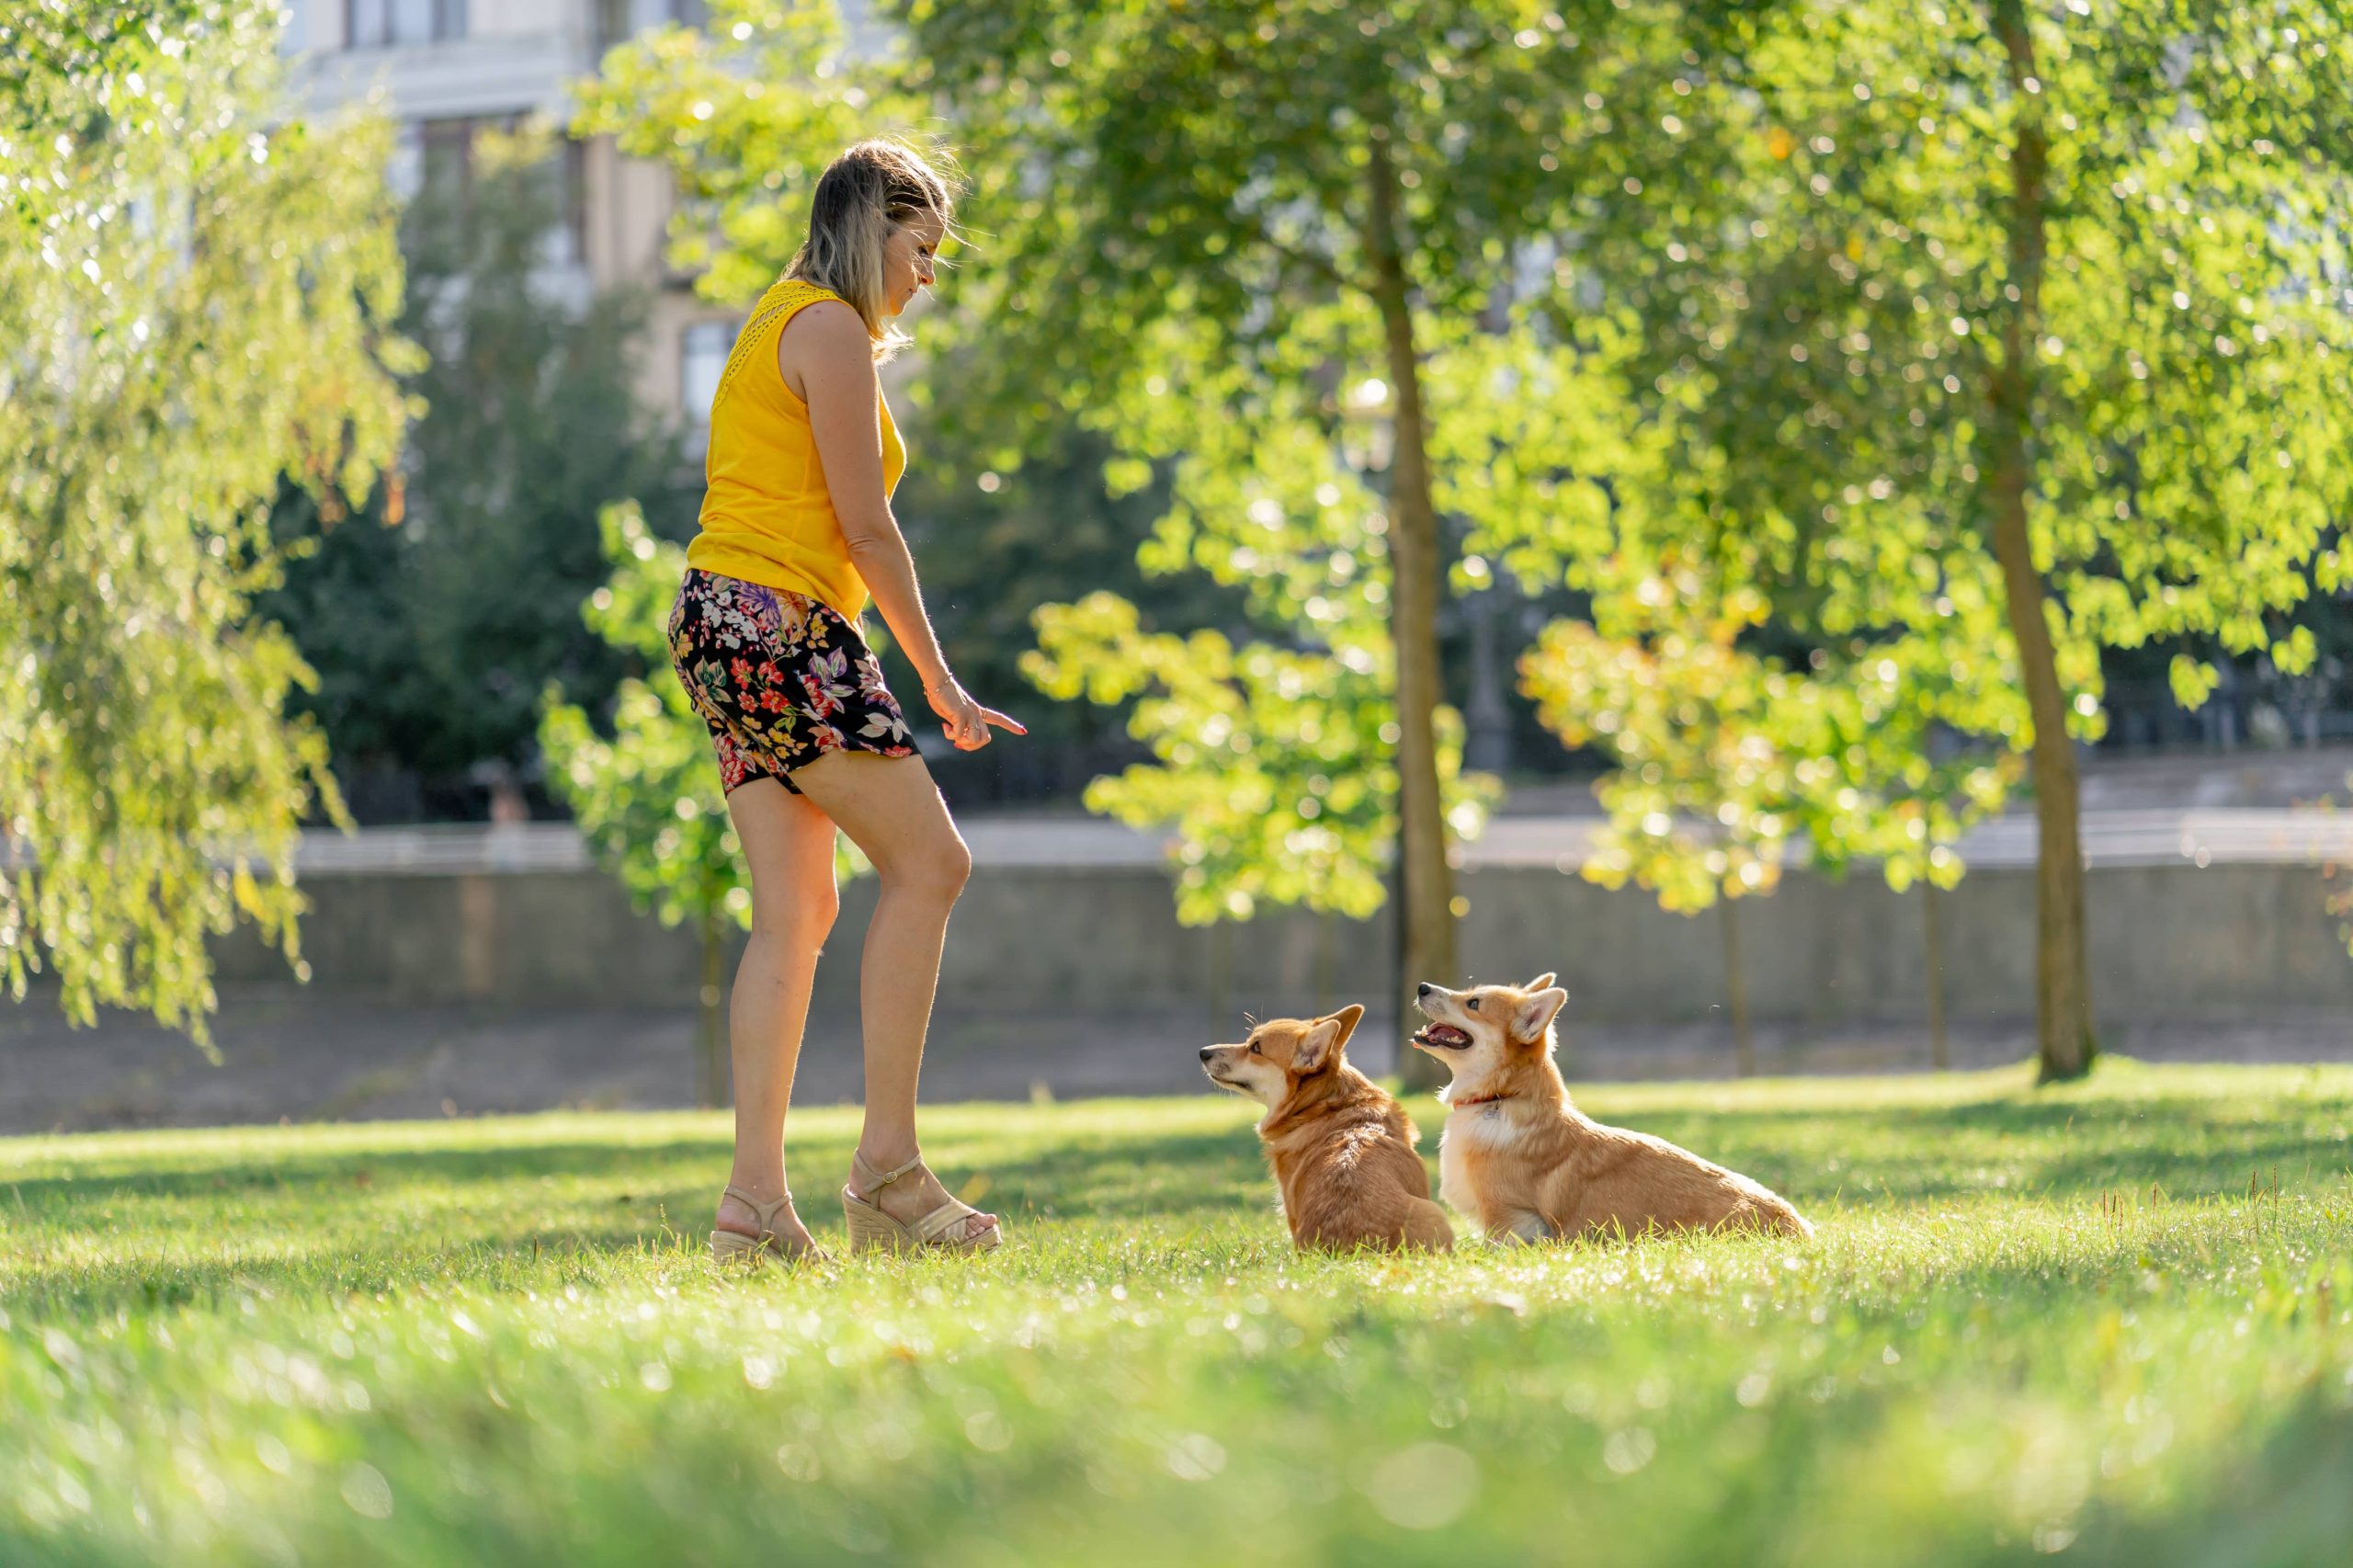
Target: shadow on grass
(1096,1176)
(2187,1147)
(175,1231)
(331,1223)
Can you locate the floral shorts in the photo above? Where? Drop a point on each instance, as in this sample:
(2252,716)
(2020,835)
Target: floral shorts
(781,678)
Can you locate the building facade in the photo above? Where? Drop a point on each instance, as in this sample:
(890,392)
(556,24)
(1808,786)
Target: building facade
(449,69)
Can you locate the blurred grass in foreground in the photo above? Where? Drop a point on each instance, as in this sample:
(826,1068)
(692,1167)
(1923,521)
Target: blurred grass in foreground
(2111,1321)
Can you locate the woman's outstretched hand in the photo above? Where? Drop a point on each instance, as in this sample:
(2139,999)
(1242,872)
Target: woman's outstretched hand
(964,721)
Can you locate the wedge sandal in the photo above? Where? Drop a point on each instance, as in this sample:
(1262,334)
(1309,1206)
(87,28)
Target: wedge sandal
(870,1229)
(734,1246)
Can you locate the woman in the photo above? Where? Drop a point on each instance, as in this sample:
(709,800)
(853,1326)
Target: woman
(796,533)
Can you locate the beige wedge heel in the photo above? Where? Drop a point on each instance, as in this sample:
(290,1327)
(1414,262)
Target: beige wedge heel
(870,1229)
(734,1246)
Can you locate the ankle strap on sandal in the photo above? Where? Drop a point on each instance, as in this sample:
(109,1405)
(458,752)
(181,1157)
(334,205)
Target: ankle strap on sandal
(765,1213)
(877,1181)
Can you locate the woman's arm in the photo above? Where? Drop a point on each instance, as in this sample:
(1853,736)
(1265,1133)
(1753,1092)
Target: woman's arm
(834,359)
(836,365)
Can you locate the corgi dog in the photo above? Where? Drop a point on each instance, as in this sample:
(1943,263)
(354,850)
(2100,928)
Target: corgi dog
(1342,1148)
(1530,1167)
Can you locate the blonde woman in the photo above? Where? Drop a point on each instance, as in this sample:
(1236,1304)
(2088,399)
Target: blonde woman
(796,533)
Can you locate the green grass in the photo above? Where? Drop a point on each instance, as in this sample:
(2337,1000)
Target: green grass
(2111,1318)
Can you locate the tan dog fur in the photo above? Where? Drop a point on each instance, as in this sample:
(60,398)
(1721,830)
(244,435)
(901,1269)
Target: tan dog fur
(1527,1166)
(1341,1146)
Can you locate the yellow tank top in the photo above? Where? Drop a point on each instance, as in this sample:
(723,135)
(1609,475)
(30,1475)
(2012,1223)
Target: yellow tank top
(766,517)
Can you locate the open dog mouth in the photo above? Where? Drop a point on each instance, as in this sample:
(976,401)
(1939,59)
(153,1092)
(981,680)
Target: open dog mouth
(1442,1037)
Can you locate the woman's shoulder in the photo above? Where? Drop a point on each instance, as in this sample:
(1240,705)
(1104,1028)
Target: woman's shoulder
(828,327)
(825,344)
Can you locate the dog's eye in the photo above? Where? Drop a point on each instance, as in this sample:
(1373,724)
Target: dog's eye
(1255,1051)
(1475,1004)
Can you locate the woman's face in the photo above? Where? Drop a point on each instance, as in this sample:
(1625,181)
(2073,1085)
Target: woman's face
(907,259)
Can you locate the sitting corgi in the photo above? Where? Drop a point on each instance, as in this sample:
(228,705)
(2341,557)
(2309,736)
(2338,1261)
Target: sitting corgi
(1342,1149)
(1528,1165)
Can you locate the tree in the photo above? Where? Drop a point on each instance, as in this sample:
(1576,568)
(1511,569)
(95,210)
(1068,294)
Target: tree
(1271,758)
(431,650)
(198,300)
(1994,333)
(1236,236)
(648,799)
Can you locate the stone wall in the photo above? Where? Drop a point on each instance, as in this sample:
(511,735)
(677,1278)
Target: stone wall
(2170,943)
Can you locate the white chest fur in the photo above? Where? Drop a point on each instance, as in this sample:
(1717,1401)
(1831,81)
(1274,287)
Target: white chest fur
(1481,1128)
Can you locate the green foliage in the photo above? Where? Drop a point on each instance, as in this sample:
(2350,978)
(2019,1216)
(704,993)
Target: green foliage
(1192,253)
(197,297)
(1273,759)
(1730,763)
(1139,161)
(1826,260)
(2093,1318)
(434,628)
(1260,759)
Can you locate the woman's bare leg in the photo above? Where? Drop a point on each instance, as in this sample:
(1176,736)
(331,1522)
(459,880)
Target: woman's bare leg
(789,843)
(891,810)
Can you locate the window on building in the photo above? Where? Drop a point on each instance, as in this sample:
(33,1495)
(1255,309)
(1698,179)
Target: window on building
(445,159)
(702,357)
(612,23)
(435,163)
(568,242)
(619,20)
(381,24)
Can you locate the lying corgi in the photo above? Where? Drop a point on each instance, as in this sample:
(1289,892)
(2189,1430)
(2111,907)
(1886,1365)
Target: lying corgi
(1342,1149)
(1530,1167)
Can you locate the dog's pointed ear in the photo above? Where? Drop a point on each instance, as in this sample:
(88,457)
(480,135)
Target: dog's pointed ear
(1540,982)
(1536,1013)
(1324,1041)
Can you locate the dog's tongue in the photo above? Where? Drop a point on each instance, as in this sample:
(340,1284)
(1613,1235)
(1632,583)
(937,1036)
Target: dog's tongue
(1443,1034)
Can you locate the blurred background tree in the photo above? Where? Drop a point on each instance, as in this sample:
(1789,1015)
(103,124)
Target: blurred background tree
(1985,344)
(435,629)
(1235,236)
(199,298)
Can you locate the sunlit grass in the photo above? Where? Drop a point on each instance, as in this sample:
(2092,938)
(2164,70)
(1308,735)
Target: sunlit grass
(2110,1320)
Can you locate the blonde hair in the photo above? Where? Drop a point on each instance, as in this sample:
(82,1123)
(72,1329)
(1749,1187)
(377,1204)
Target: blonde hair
(875,187)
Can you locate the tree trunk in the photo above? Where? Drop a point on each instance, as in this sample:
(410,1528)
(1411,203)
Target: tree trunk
(710,1033)
(1327,963)
(2062,984)
(1222,1014)
(1744,1038)
(1939,1046)
(1486,718)
(1426,913)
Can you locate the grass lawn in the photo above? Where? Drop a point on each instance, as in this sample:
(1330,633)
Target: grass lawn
(2109,1320)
